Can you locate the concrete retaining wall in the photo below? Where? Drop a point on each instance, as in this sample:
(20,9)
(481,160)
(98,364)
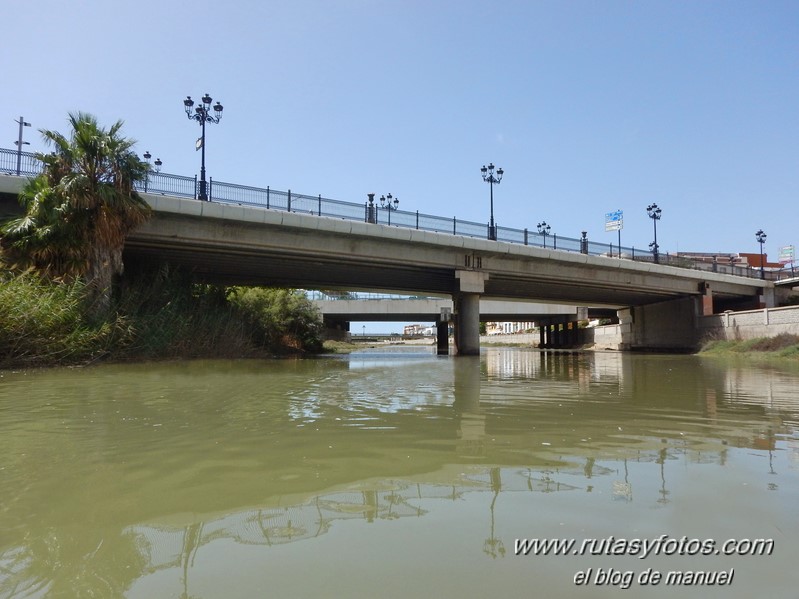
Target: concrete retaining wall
(602,337)
(530,339)
(768,322)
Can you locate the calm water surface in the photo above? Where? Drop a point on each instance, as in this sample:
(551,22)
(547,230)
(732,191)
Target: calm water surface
(396,474)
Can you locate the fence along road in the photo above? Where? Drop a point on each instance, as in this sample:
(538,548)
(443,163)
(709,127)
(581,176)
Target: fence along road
(181,186)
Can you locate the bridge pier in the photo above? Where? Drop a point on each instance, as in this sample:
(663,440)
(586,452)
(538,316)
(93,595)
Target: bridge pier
(664,326)
(560,332)
(467,325)
(467,311)
(442,338)
(336,329)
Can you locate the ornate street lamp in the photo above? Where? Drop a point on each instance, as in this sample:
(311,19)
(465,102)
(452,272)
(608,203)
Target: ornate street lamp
(19,143)
(654,213)
(490,178)
(544,229)
(157,168)
(202,114)
(389,202)
(761,239)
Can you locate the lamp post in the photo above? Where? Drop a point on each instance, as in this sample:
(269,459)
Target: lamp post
(761,239)
(19,143)
(544,229)
(389,202)
(202,114)
(158,164)
(490,178)
(654,213)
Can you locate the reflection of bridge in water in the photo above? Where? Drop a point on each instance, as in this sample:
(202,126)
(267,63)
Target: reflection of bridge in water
(637,431)
(171,546)
(627,463)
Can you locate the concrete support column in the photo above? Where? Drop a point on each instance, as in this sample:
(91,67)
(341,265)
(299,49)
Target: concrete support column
(707,299)
(467,327)
(572,338)
(769,298)
(442,338)
(337,330)
(557,335)
(541,329)
(670,325)
(471,284)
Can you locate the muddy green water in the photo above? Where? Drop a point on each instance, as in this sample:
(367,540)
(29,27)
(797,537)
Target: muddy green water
(396,473)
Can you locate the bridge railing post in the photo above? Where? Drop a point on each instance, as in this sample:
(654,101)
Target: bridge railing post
(554,241)
(319,211)
(288,202)
(210,188)
(195,187)
(267,196)
(525,236)
(417,220)
(454,225)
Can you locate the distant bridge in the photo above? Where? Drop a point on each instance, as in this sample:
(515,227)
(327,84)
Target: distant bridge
(430,310)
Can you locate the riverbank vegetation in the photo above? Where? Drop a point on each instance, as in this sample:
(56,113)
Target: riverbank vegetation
(158,314)
(781,346)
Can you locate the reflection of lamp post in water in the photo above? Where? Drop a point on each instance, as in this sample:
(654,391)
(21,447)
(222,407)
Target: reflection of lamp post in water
(623,490)
(663,454)
(192,536)
(492,545)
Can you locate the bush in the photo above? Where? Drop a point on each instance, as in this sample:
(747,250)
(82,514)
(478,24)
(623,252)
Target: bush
(280,317)
(158,313)
(42,321)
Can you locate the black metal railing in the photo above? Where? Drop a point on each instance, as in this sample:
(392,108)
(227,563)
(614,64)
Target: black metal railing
(29,165)
(219,191)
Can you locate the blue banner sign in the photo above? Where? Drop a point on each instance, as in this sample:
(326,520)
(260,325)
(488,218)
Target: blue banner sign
(614,221)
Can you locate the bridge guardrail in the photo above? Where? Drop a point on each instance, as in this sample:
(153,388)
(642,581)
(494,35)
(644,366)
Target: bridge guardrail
(220,191)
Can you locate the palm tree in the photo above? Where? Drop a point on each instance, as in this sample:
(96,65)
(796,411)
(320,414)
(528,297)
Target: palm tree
(79,211)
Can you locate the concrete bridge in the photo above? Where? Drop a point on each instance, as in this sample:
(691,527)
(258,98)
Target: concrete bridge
(234,244)
(430,310)
(339,313)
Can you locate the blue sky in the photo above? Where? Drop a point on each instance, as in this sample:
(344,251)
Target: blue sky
(589,107)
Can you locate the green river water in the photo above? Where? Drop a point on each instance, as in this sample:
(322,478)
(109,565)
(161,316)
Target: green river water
(397,473)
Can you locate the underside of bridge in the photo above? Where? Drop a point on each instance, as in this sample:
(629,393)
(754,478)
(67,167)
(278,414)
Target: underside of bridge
(228,252)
